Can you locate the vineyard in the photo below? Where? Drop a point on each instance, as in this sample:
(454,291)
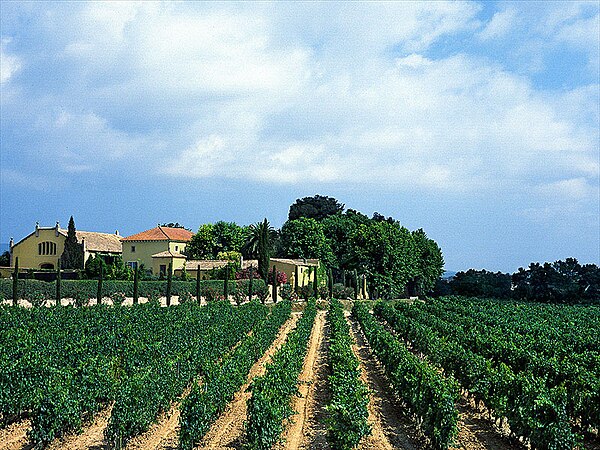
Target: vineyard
(446,373)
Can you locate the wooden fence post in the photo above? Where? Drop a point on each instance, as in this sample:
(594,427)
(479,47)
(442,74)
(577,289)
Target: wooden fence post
(250,283)
(16,282)
(136,280)
(198,297)
(316,284)
(100,279)
(169,282)
(58,280)
(274,284)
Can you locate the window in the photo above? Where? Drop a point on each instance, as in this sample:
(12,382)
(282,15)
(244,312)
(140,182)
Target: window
(133,249)
(176,248)
(132,264)
(46,248)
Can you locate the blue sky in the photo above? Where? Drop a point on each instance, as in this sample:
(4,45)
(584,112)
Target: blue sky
(476,121)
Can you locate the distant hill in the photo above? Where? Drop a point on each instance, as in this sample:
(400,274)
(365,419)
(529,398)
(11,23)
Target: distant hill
(448,274)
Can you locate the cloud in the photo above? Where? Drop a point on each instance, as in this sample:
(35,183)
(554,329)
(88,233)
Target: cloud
(284,93)
(9,64)
(499,26)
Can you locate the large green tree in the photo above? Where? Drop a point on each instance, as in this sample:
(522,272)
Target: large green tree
(228,237)
(72,256)
(430,263)
(304,238)
(202,244)
(387,252)
(339,230)
(316,207)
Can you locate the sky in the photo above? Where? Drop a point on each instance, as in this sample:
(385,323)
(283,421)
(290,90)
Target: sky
(476,121)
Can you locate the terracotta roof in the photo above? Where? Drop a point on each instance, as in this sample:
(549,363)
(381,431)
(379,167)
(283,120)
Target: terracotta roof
(205,264)
(168,254)
(162,234)
(99,242)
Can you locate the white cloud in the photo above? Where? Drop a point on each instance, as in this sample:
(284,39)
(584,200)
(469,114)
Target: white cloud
(9,64)
(499,26)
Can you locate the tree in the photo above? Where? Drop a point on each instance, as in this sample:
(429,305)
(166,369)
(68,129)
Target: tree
(228,237)
(317,207)
(304,238)
(430,263)
(72,256)
(481,283)
(263,232)
(253,233)
(338,230)
(202,243)
(174,225)
(5,259)
(387,253)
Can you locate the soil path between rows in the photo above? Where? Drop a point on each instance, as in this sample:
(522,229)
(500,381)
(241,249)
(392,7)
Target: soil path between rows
(301,427)
(92,437)
(390,428)
(228,431)
(14,436)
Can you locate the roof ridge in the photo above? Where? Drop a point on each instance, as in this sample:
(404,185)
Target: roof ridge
(163,232)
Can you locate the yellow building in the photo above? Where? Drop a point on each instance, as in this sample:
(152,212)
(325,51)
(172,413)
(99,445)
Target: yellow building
(157,248)
(304,268)
(44,246)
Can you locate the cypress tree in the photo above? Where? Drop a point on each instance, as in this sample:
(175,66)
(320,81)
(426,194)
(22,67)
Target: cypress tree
(72,256)
(100,279)
(264,248)
(316,284)
(198,298)
(58,279)
(136,279)
(16,282)
(169,282)
(330,280)
(297,280)
(274,284)
(344,277)
(355,284)
(250,275)
(226,283)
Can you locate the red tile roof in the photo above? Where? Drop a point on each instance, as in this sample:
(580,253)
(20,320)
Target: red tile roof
(162,234)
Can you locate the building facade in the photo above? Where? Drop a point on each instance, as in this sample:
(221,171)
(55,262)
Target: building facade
(44,246)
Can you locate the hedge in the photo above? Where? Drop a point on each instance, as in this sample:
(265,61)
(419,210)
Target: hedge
(35,289)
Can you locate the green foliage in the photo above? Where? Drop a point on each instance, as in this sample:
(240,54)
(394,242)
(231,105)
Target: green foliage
(212,239)
(427,394)
(529,364)
(209,399)
(29,289)
(5,259)
(317,207)
(560,282)
(270,403)
(260,236)
(349,396)
(116,270)
(72,257)
(304,238)
(481,283)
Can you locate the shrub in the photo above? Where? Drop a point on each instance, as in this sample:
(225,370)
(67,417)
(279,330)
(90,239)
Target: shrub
(341,292)
(185,297)
(118,298)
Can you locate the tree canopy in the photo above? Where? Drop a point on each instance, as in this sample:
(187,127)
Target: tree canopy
(317,207)
(72,256)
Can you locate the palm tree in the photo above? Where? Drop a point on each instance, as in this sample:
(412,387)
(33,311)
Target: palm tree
(259,245)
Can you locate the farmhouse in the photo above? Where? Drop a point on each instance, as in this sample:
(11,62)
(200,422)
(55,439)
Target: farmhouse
(44,246)
(157,248)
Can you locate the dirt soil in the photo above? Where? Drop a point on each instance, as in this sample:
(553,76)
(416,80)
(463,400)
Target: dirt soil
(228,431)
(391,429)
(306,429)
(91,438)
(14,436)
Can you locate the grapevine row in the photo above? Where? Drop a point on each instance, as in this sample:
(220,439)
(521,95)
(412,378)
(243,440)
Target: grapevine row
(209,399)
(270,403)
(349,395)
(532,410)
(427,394)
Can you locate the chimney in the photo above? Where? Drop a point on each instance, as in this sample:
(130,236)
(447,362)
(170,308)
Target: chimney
(37,229)
(56,228)
(117,232)
(11,243)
